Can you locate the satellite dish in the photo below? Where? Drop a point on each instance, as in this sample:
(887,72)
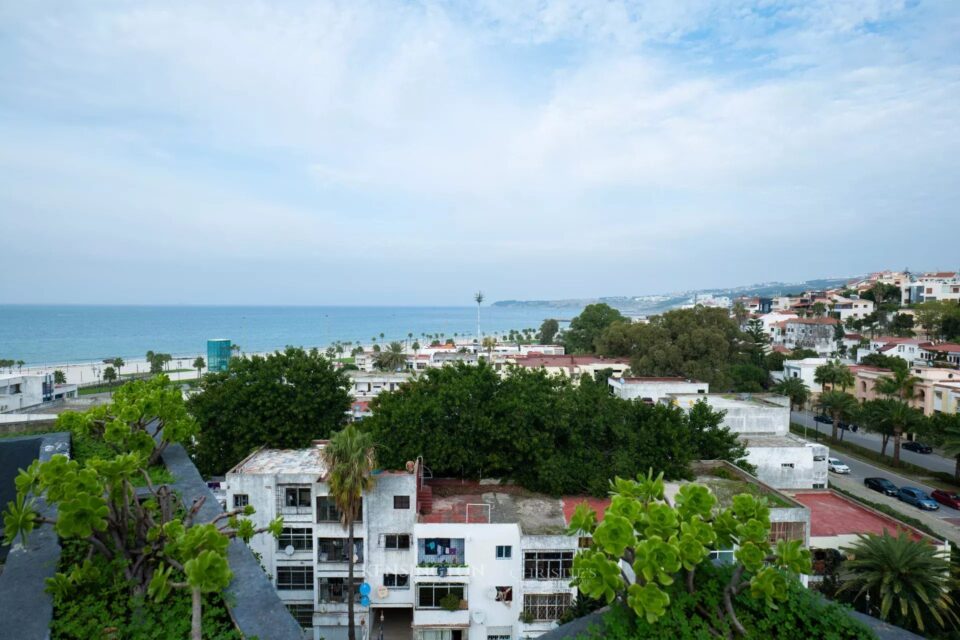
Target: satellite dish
(477,617)
(492,593)
(289,549)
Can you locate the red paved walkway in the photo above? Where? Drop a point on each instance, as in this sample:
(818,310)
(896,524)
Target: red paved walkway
(834,515)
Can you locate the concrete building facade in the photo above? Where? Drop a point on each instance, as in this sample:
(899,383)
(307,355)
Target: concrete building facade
(652,390)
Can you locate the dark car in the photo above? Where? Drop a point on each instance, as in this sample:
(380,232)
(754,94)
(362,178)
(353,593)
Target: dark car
(948,498)
(823,418)
(918,447)
(918,498)
(882,485)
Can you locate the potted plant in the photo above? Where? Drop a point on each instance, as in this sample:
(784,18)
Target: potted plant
(450,602)
(526,617)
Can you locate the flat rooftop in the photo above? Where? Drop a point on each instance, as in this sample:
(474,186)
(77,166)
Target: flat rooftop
(471,502)
(273,461)
(773,441)
(734,400)
(834,515)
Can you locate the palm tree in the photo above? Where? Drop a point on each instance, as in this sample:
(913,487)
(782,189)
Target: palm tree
(118,364)
(840,405)
(391,358)
(478,297)
(874,416)
(901,384)
(909,579)
(489,343)
(416,347)
(199,364)
(945,431)
(110,375)
(350,459)
(834,373)
(903,419)
(795,389)
(20,364)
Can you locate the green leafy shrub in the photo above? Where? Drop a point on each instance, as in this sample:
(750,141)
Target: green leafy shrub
(667,543)
(799,615)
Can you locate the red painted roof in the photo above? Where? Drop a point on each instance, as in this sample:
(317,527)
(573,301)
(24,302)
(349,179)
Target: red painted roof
(567,361)
(813,321)
(947,347)
(834,515)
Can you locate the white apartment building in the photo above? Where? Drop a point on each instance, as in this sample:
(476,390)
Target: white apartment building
(365,385)
(652,390)
(807,333)
(574,366)
(907,348)
(439,560)
(762,423)
(22,391)
(852,308)
(804,369)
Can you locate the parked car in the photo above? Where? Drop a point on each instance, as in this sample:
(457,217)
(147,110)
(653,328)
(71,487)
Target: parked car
(821,417)
(834,464)
(882,485)
(948,498)
(919,447)
(918,498)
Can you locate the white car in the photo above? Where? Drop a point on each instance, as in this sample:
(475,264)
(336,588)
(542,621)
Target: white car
(835,465)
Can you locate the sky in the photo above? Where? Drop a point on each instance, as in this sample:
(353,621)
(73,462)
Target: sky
(366,152)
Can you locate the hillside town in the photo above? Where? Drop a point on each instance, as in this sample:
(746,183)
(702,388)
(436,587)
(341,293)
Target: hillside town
(435,549)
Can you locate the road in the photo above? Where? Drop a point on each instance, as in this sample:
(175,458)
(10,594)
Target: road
(931,461)
(860,470)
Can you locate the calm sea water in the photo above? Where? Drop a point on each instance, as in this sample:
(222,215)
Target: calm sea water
(45,334)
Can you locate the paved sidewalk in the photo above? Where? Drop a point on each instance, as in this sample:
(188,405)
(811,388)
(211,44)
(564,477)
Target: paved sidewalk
(944,529)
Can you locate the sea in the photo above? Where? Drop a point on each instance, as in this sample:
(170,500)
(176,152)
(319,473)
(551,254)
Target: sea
(63,334)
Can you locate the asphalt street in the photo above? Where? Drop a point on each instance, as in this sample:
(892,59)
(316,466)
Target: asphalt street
(872,441)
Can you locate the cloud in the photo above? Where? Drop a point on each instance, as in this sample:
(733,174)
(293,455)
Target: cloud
(645,146)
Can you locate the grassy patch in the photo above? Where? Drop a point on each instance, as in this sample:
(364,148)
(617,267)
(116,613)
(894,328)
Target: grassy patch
(29,432)
(938,479)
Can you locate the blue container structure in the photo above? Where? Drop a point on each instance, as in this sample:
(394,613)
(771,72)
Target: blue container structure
(218,354)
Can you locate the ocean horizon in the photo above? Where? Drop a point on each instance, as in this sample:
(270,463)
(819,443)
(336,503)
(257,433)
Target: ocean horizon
(43,334)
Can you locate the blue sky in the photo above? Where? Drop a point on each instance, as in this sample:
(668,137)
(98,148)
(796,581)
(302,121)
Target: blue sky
(366,152)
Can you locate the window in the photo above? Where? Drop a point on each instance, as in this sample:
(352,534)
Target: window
(504,594)
(429,595)
(396,541)
(504,552)
(240,500)
(335,549)
(293,500)
(546,607)
(787,531)
(336,589)
(294,578)
(401,502)
(299,539)
(327,510)
(302,613)
(722,556)
(547,565)
(396,580)
(584,542)
(786,465)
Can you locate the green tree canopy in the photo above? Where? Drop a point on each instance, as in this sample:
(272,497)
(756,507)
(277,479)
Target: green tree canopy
(284,400)
(700,343)
(795,389)
(540,431)
(391,358)
(586,328)
(548,331)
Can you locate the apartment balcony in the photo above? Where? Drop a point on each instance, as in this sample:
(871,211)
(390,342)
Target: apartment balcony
(441,571)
